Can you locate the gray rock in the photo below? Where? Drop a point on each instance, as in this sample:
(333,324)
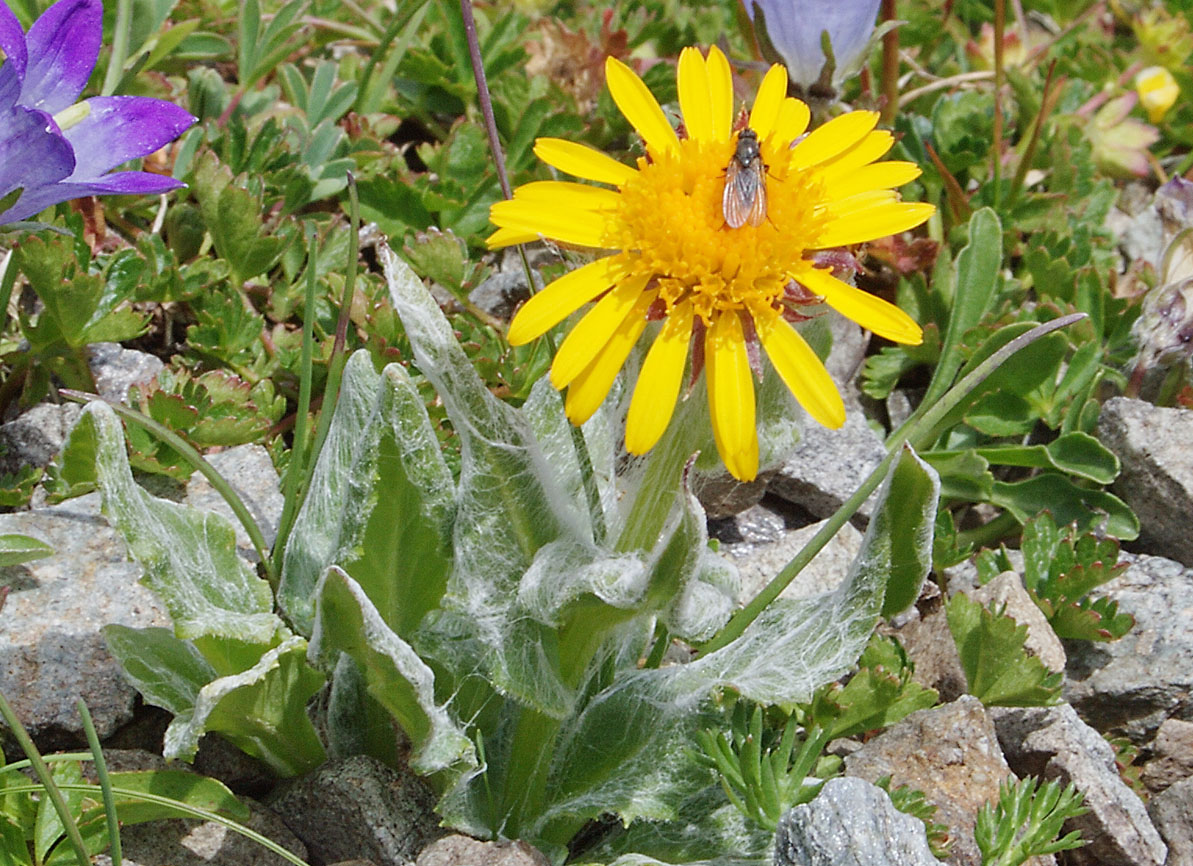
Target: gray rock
(1007,593)
(1172,813)
(1053,743)
(1172,756)
(722,496)
(51,649)
(360,808)
(465,851)
(1131,685)
(116,369)
(950,753)
(924,634)
(250,472)
(179,842)
(36,436)
(851,823)
(828,465)
(766,545)
(1157,471)
(501,293)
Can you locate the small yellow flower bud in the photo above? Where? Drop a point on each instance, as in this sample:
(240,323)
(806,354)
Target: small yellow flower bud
(1157,91)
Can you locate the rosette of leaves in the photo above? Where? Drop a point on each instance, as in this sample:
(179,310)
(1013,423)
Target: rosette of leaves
(493,617)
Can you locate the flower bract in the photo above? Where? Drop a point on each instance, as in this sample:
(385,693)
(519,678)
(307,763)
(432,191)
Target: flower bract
(53,148)
(672,257)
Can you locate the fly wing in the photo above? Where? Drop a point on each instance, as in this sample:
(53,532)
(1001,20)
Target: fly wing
(757,212)
(733,203)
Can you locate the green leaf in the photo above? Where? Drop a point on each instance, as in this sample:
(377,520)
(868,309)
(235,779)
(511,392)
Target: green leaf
(346,621)
(881,693)
(1074,453)
(186,788)
(1089,509)
(166,670)
(189,556)
(233,217)
(380,503)
(48,827)
(15,549)
(998,670)
(978,266)
(509,505)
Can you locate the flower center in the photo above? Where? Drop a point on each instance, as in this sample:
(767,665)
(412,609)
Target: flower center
(671,227)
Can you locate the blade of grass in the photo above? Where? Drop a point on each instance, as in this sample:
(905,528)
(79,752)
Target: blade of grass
(47,781)
(101,772)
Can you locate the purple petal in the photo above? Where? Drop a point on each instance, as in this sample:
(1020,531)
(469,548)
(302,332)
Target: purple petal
(12,69)
(120,128)
(32,156)
(63,45)
(120,183)
(794,28)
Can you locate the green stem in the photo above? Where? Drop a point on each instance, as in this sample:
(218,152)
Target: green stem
(47,781)
(195,459)
(335,367)
(105,784)
(120,39)
(295,472)
(915,431)
(987,533)
(656,491)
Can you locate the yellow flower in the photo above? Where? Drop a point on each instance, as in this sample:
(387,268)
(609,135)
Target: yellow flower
(1157,91)
(671,255)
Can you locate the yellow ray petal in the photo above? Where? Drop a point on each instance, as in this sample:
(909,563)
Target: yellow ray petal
(877,176)
(792,120)
(640,107)
(589,389)
(720,93)
(693,95)
(582,161)
(874,146)
(585,228)
(878,221)
(567,194)
(769,100)
(659,382)
(872,313)
(562,297)
(835,137)
(801,370)
(509,237)
(731,396)
(594,330)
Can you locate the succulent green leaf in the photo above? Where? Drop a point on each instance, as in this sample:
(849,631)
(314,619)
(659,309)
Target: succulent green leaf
(1088,508)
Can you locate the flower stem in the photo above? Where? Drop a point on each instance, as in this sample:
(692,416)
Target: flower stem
(120,39)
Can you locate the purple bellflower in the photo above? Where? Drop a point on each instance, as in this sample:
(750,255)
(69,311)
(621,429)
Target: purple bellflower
(53,148)
(793,29)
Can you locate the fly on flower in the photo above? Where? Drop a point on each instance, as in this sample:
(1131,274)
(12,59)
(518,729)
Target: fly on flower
(744,199)
(721,299)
